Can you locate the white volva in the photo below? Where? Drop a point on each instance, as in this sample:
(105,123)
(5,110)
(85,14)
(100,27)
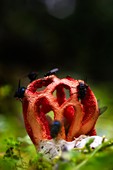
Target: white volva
(53,148)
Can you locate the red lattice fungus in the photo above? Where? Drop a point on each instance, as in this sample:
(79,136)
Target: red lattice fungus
(77,116)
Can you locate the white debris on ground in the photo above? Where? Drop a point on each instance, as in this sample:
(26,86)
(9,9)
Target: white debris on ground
(53,148)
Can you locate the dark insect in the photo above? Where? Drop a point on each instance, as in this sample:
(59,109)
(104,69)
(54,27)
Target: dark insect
(32,76)
(20,92)
(82,90)
(55,128)
(101,109)
(51,72)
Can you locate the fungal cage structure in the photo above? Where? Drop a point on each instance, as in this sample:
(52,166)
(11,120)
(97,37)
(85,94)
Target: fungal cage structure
(75,113)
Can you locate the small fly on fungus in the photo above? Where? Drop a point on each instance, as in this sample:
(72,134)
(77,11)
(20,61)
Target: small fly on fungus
(82,90)
(55,128)
(51,72)
(32,76)
(20,91)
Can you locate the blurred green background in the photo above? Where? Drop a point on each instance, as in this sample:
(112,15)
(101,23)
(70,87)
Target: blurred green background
(37,35)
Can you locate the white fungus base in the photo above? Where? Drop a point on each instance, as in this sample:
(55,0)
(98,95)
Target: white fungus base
(53,148)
